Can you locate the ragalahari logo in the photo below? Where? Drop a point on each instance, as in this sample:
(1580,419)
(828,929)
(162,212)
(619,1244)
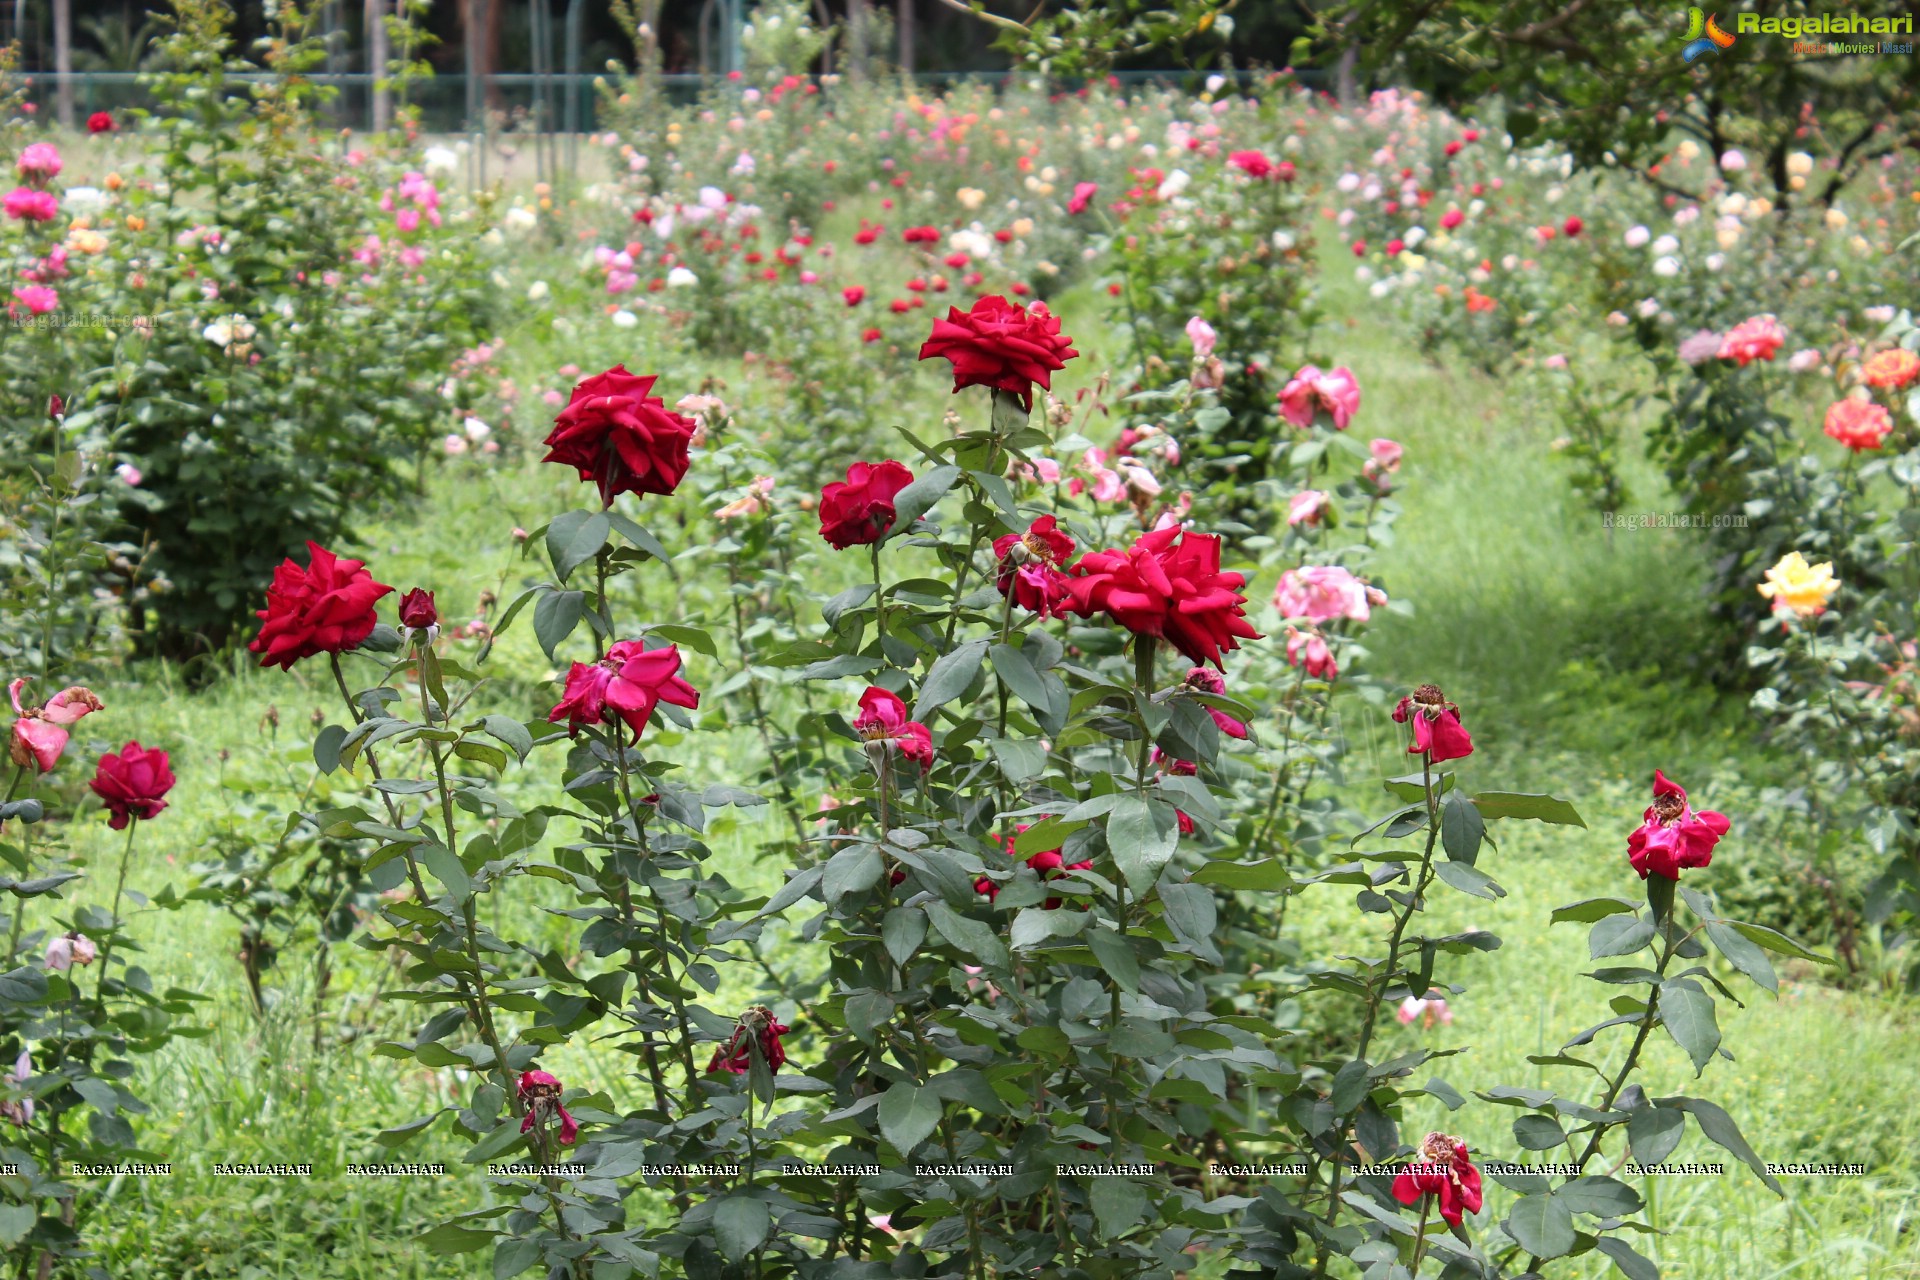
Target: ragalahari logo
(1704,35)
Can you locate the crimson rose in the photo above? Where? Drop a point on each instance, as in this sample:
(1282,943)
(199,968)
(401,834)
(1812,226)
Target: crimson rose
(1030,569)
(1169,584)
(1673,836)
(134,783)
(1000,345)
(1436,725)
(621,438)
(326,607)
(860,510)
(626,685)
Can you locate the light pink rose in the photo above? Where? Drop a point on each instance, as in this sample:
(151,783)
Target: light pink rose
(1321,593)
(1312,391)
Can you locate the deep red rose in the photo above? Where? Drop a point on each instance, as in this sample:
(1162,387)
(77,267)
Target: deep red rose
(417,611)
(1436,725)
(627,685)
(1046,864)
(1030,569)
(540,1092)
(1169,584)
(1443,1170)
(99,122)
(133,783)
(860,510)
(1673,836)
(326,607)
(755,1027)
(620,437)
(1000,345)
(883,722)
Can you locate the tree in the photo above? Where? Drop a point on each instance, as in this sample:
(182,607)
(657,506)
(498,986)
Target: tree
(1609,81)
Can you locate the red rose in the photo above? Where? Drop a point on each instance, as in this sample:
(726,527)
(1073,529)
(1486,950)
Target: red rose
(417,611)
(626,685)
(1673,836)
(133,783)
(1443,1171)
(755,1029)
(99,122)
(1436,725)
(1169,584)
(621,438)
(1252,163)
(1030,569)
(326,607)
(860,510)
(540,1092)
(1000,345)
(883,722)
(853,294)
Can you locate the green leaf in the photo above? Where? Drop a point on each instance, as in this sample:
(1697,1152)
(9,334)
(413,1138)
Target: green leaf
(1118,1205)
(1720,1128)
(970,936)
(854,869)
(1446,1093)
(1587,910)
(25,985)
(695,638)
(1631,1265)
(1020,760)
(504,1135)
(1468,878)
(555,617)
(1619,936)
(1116,957)
(949,677)
(1270,875)
(741,1224)
(1542,1225)
(1012,666)
(15,1221)
(1538,1132)
(1190,911)
(866,1011)
(574,538)
(1461,828)
(908,1116)
(1778,943)
(1142,835)
(903,930)
(1687,1014)
(1653,1133)
(1743,955)
(1519,804)
(919,497)
(400,1135)
(845,664)
(1600,1196)
(511,732)
(1350,1084)
(512,1256)
(326,747)
(448,870)
(451,1237)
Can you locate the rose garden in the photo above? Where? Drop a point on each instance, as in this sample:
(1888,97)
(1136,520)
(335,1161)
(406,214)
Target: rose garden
(1045,677)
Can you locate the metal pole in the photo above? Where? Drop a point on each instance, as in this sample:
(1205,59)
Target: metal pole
(905,22)
(576,15)
(379,109)
(537,24)
(63,61)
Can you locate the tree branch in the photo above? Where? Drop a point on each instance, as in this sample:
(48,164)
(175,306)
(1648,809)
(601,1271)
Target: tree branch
(981,13)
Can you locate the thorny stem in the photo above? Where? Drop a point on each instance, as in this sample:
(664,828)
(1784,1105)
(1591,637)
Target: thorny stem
(1377,990)
(119,887)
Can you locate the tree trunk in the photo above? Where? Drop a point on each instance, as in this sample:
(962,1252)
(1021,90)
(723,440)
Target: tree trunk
(1344,87)
(856,59)
(905,23)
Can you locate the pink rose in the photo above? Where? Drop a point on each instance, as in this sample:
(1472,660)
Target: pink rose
(1311,391)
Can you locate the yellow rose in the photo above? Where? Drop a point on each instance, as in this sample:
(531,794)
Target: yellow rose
(1799,588)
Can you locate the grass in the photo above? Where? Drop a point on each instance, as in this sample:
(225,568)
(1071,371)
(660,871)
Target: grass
(1551,636)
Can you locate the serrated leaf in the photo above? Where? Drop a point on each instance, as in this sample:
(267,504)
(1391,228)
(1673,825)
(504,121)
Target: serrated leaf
(1142,835)
(574,538)
(1118,1205)
(1468,878)
(451,1237)
(1743,954)
(555,617)
(908,1116)
(949,678)
(1653,1133)
(1687,1015)
(1630,1264)
(1542,1225)
(1518,804)
(1619,936)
